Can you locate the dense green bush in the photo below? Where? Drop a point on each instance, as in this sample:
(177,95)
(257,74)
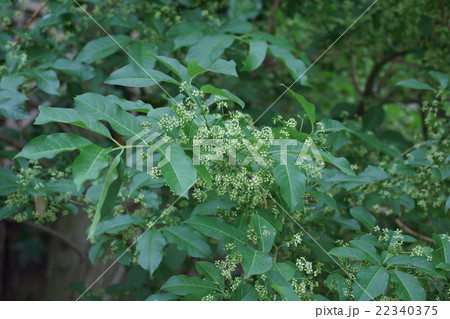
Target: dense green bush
(342,195)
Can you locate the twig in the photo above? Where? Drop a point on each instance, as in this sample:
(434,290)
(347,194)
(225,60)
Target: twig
(354,79)
(30,21)
(276,3)
(56,234)
(412,232)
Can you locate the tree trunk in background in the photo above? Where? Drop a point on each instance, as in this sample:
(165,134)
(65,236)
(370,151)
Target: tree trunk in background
(64,265)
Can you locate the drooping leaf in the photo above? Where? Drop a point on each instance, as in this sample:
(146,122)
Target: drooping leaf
(292,182)
(309,108)
(178,170)
(256,55)
(111,186)
(47,146)
(414,84)
(363,216)
(89,164)
(150,250)
(174,66)
(208,88)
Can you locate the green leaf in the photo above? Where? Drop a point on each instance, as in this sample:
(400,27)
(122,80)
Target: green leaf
(49,114)
(244,292)
(213,206)
(50,145)
(370,283)
(220,66)
(285,269)
(173,65)
(97,250)
(8,181)
(368,248)
(209,49)
(309,108)
(203,173)
(47,80)
(419,263)
(182,285)
(208,88)
(117,223)
(334,126)
(363,216)
(100,48)
(254,261)
(111,186)
(441,255)
(415,84)
(277,281)
(178,171)
(133,76)
(340,162)
(188,240)
(349,252)
(339,285)
(89,164)
(292,182)
(295,66)
(265,232)
(407,286)
(211,273)
(74,68)
(216,228)
(150,250)
(256,55)
(103,109)
(236,26)
(440,77)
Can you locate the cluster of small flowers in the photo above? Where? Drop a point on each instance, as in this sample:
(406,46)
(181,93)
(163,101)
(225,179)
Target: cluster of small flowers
(296,240)
(156,172)
(397,242)
(304,265)
(229,264)
(262,291)
(208,297)
(251,235)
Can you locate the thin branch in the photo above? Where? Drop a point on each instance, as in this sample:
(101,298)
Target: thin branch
(354,79)
(276,3)
(412,232)
(30,21)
